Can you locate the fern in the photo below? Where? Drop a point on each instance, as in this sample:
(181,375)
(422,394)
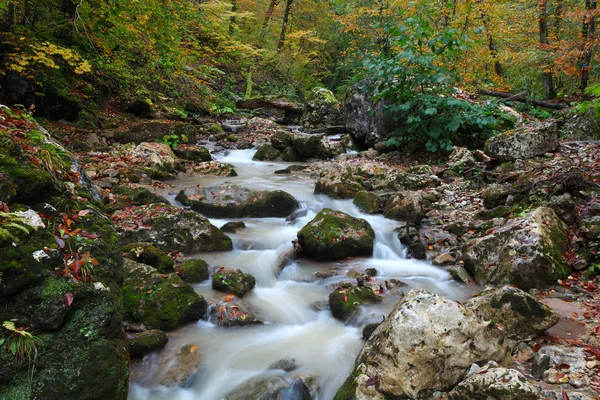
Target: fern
(11,225)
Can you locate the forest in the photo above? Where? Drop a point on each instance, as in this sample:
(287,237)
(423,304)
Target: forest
(299,199)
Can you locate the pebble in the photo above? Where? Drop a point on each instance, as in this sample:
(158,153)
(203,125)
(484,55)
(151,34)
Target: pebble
(591,364)
(576,383)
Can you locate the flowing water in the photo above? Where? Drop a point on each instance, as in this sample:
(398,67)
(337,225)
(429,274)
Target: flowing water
(292,301)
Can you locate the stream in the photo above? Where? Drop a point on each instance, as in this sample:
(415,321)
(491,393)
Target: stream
(293,302)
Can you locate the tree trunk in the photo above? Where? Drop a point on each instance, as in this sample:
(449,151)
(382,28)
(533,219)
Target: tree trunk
(286,17)
(588,32)
(268,15)
(547,81)
(232,19)
(491,44)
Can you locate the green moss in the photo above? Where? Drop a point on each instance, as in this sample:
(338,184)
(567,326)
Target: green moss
(266,152)
(354,297)
(498,212)
(455,229)
(367,202)
(524,305)
(233,281)
(233,227)
(289,154)
(148,254)
(193,270)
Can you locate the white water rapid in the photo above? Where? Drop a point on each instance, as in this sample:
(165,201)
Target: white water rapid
(323,347)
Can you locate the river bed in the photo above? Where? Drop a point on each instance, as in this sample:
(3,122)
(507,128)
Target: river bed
(292,302)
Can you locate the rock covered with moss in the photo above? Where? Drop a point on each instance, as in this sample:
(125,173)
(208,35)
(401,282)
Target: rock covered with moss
(322,110)
(158,155)
(148,254)
(211,168)
(233,227)
(413,352)
(344,302)
(160,301)
(526,252)
(266,152)
(142,343)
(233,312)
(233,281)
(333,235)
(192,152)
(524,143)
(124,196)
(408,206)
(232,201)
(76,313)
(172,229)
(193,270)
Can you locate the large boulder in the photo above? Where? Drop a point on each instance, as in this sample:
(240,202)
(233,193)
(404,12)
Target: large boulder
(160,301)
(408,206)
(231,201)
(526,252)
(142,343)
(192,152)
(333,235)
(307,146)
(427,344)
(368,123)
(193,270)
(582,126)
(266,152)
(344,302)
(322,110)
(172,229)
(157,155)
(523,143)
(495,382)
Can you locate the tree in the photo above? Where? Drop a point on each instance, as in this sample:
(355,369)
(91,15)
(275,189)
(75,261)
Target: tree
(284,24)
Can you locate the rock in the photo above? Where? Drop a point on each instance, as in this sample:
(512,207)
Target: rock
(368,330)
(148,254)
(368,202)
(127,196)
(406,181)
(494,382)
(413,351)
(524,143)
(420,170)
(233,281)
(173,229)
(260,389)
(212,168)
(558,357)
(286,364)
(407,207)
(322,110)
(143,343)
(460,274)
(160,301)
(444,259)
(410,236)
(289,154)
(519,314)
(329,149)
(498,212)
(582,126)
(461,158)
(234,312)
(233,227)
(495,195)
(180,366)
(307,146)
(296,391)
(368,123)
(266,152)
(157,155)
(193,270)
(337,188)
(141,108)
(526,252)
(564,206)
(50,314)
(333,235)
(191,152)
(231,201)
(282,140)
(344,302)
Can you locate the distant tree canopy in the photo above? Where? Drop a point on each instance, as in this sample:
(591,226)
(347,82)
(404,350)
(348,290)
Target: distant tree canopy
(210,50)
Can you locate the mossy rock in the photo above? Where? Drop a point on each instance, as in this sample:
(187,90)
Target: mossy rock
(346,189)
(344,302)
(233,227)
(160,301)
(173,229)
(289,154)
(233,281)
(498,212)
(142,343)
(213,168)
(307,146)
(192,153)
(494,196)
(148,254)
(127,196)
(266,152)
(368,202)
(231,201)
(281,140)
(333,235)
(193,271)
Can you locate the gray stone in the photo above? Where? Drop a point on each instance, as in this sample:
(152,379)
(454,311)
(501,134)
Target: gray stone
(524,143)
